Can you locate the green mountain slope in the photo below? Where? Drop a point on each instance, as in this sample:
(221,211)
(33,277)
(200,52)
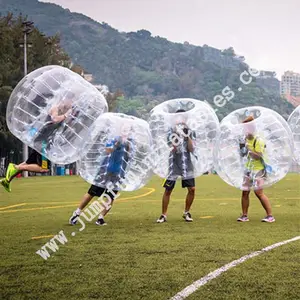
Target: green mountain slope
(148,69)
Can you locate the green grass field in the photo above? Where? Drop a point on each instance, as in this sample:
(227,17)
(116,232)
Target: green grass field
(135,258)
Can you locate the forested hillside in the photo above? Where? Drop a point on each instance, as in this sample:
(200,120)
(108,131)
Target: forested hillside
(147,69)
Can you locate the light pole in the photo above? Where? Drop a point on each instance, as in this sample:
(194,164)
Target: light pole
(27,28)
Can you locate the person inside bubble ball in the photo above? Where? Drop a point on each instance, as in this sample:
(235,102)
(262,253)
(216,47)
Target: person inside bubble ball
(118,152)
(53,123)
(36,162)
(255,171)
(181,142)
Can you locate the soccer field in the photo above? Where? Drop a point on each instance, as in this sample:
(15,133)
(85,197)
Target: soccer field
(135,258)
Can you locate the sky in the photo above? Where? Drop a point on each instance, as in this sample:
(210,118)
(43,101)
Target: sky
(266,32)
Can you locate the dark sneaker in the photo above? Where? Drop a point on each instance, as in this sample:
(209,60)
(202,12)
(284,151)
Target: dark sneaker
(268,219)
(161,219)
(243,218)
(101,222)
(188,217)
(74,218)
(6,185)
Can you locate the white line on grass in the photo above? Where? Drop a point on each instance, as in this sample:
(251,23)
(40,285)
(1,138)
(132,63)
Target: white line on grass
(202,281)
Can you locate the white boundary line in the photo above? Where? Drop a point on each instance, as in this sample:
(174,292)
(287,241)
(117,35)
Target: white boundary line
(202,281)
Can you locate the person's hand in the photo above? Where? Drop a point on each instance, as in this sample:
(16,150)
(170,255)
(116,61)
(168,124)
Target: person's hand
(68,113)
(254,155)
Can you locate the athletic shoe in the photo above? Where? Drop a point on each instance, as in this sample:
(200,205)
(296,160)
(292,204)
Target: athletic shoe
(101,222)
(6,185)
(161,219)
(243,218)
(268,219)
(11,171)
(187,216)
(74,218)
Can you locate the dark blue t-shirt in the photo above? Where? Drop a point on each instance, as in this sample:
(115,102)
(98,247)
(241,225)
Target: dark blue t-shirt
(116,158)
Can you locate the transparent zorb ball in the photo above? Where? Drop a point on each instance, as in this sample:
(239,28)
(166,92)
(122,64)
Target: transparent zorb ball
(117,153)
(254,148)
(294,123)
(51,110)
(184,132)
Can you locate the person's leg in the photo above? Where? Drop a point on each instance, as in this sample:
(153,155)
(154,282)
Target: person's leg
(265,202)
(245,202)
(109,196)
(245,207)
(33,164)
(83,203)
(190,185)
(190,196)
(169,186)
(30,168)
(165,201)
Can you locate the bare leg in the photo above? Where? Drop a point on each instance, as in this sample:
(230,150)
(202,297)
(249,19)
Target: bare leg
(264,200)
(25,167)
(189,198)
(245,202)
(105,211)
(85,201)
(31,168)
(165,201)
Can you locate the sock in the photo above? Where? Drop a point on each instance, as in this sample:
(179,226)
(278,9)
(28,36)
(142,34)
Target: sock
(78,211)
(100,217)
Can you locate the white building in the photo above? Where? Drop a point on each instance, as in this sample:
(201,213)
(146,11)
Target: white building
(290,84)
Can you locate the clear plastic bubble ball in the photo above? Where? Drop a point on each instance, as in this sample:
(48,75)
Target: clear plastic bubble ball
(294,123)
(254,148)
(52,109)
(117,153)
(184,132)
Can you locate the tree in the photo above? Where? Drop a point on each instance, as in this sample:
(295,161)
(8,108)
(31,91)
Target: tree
(44,50)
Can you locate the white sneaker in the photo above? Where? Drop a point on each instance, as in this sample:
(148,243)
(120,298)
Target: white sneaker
(74,218)
(268,219)
(187,216)
(161,219)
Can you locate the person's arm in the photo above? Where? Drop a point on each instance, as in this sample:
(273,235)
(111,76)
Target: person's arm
(255,155)
(258,150)
(190,145)
(191,138)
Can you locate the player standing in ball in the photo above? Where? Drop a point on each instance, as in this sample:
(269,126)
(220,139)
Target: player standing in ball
(255,171)
(181,142)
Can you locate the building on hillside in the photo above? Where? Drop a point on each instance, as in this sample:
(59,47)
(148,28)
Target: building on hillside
(290,84)
(290,87)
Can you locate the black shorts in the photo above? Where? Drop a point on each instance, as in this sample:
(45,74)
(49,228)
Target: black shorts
(98,191)
(170,184)
(34,158)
